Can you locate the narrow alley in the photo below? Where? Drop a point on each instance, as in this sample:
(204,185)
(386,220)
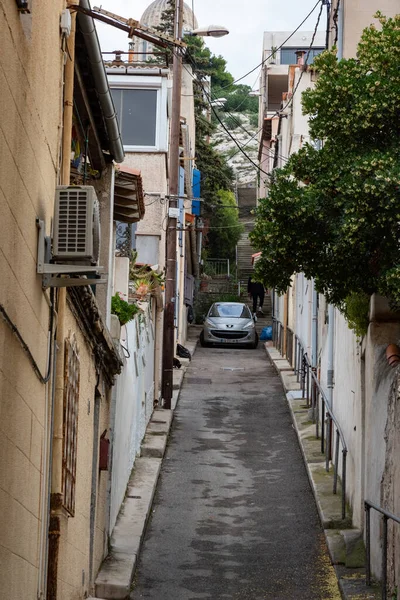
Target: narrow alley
(234,516)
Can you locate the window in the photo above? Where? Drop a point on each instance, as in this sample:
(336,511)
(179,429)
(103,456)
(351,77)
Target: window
(70,427)
(137,114)
(236,311)
(141,106)
(288,55)
(147,247)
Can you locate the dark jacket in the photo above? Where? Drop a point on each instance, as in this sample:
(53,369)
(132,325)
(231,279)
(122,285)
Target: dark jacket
(255,287)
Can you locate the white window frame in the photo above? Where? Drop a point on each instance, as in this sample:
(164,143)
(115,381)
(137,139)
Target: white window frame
(130,82)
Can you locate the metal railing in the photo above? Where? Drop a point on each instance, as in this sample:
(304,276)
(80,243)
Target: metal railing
(386,516)
(326,424)
(217,266)
(277,334)
(289,346)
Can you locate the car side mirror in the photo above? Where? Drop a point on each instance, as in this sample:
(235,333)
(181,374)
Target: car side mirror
(255,318)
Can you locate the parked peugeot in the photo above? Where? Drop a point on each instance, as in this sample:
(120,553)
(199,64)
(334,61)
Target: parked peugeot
(229,323)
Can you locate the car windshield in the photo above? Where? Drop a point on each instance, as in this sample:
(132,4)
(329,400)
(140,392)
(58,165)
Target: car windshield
(236,311)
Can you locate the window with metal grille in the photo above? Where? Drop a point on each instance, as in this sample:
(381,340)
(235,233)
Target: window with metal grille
(71,403)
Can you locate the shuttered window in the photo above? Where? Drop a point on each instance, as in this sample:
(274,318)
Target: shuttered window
(70,433)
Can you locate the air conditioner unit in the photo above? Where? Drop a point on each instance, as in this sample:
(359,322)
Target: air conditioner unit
(76,228)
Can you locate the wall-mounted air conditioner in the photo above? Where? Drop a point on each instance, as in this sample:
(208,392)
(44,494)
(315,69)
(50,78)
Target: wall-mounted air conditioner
(71,258)
(76,229)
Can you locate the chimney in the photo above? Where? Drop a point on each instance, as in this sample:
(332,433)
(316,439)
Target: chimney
(118,56)
(131,49)
(300,54)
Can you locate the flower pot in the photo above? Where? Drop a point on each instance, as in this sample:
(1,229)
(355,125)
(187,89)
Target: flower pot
(393,355)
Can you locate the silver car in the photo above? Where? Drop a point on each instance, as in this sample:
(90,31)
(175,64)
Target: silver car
(229,323)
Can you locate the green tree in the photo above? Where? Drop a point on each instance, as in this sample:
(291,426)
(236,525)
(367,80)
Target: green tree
(334,214)
(239,99)
(224,226)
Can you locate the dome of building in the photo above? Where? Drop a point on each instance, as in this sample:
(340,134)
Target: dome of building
(152,15)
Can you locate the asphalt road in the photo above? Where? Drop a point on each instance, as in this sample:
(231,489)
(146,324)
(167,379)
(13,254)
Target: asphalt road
(234,516)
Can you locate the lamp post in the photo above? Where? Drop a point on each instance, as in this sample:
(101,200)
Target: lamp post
(170,276)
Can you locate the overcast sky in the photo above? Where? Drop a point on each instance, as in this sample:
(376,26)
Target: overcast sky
(245,19)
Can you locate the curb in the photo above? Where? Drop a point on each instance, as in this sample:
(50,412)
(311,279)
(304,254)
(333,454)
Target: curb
(348,564)
(114,580)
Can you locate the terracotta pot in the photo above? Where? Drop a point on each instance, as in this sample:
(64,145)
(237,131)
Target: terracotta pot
(393,355)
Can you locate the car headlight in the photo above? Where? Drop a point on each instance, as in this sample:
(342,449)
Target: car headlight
(250,325)
(208,323)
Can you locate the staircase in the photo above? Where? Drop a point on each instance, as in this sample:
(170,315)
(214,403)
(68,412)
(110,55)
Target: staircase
(244,252)
(247,201)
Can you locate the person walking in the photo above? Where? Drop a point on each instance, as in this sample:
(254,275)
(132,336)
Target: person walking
(256,291)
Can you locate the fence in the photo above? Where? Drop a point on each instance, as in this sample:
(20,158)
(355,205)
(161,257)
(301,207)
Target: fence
(217,267)
(386,516)
(326,425)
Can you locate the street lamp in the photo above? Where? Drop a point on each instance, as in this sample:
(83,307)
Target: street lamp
(170,276)
(218,102)
(210,31)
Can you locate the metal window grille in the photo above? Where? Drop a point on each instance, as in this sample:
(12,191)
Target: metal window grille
(71,403)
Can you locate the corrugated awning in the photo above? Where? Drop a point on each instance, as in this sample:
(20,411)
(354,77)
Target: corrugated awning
(128,196)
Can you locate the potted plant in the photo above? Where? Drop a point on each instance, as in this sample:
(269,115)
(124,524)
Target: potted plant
(122,309)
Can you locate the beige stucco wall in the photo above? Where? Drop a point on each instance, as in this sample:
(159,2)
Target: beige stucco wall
(153,167)
(357,15)
(74,554)
(30,108)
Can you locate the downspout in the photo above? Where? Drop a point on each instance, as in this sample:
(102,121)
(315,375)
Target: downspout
(58,404)
(100,78)
(314,328)
(340,32)
(285,320)
(314,350)
(330,378)
(195,259)
(330,369)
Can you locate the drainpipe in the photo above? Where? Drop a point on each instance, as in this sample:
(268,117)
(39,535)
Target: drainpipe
(314,328)
(101,82)
(285,321)
(58,404)
(314,350)
(331,337)
(340,32)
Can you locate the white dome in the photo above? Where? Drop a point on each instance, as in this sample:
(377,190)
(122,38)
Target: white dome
(152,15)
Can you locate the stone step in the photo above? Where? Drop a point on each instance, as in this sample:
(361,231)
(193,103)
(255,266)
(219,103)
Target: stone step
(346,547)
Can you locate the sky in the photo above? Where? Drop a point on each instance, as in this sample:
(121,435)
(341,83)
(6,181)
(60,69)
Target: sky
(245,19)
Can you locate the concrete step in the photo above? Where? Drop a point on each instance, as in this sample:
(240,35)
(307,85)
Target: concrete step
(114,579)
(155,439)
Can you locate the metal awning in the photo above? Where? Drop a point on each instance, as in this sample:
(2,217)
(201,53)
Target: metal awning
(128,196)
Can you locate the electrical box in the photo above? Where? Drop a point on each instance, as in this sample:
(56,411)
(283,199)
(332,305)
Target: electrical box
(65,22)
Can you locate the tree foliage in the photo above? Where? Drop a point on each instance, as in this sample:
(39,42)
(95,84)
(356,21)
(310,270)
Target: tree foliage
(334,214)
(225,228)
(216,174)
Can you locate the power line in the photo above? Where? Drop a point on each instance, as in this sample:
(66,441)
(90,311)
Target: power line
(227,130)
(305,62)
(273,53)
(278,112)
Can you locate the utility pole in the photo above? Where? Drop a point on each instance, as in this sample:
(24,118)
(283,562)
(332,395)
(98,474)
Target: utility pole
(170,279)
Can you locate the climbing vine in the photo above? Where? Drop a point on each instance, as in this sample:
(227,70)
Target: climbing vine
(334,213)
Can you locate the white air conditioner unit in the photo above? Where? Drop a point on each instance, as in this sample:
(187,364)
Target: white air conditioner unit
(76,229)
